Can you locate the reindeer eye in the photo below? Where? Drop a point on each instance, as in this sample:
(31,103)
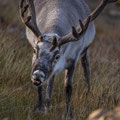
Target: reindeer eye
(57,56)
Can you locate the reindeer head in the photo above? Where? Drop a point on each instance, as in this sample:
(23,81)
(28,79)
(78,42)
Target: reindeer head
(44,58)
(47,49)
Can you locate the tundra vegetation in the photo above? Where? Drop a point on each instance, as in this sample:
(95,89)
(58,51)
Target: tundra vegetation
(18,95)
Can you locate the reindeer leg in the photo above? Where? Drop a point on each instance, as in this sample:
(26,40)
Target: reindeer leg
(86,67)
(68,91)
(38,107)
(49,91)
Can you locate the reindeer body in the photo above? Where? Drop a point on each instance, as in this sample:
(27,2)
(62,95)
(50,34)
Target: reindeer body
(56,48)
(55,17)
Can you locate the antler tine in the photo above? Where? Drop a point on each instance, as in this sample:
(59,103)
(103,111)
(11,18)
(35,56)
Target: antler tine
(28,21)
(54,44)
(71,37)
(74,32)
(82,27)
(75,35)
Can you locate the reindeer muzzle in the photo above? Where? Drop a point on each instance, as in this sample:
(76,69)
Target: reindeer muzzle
(38,78)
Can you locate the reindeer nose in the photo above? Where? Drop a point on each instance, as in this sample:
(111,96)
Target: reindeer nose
(38,77)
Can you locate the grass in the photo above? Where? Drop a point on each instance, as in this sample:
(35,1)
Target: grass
(18,95)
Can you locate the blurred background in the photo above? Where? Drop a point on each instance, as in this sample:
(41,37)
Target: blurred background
(18,95)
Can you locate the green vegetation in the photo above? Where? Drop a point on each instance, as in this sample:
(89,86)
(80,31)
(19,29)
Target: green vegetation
(18,95)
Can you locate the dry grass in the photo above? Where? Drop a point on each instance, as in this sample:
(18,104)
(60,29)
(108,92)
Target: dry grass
(18,95)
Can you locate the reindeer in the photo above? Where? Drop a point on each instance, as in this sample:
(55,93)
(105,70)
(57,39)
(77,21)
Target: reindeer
(57,47)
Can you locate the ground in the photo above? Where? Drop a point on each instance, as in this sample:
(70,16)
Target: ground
(18,95)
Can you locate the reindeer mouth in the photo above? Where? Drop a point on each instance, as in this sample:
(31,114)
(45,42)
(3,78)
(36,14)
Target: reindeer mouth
(36,82)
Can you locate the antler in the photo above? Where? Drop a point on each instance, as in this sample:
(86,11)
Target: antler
(30,20)
(78,32)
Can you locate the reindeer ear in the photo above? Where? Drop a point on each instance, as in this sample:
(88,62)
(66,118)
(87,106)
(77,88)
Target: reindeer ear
(54,43)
